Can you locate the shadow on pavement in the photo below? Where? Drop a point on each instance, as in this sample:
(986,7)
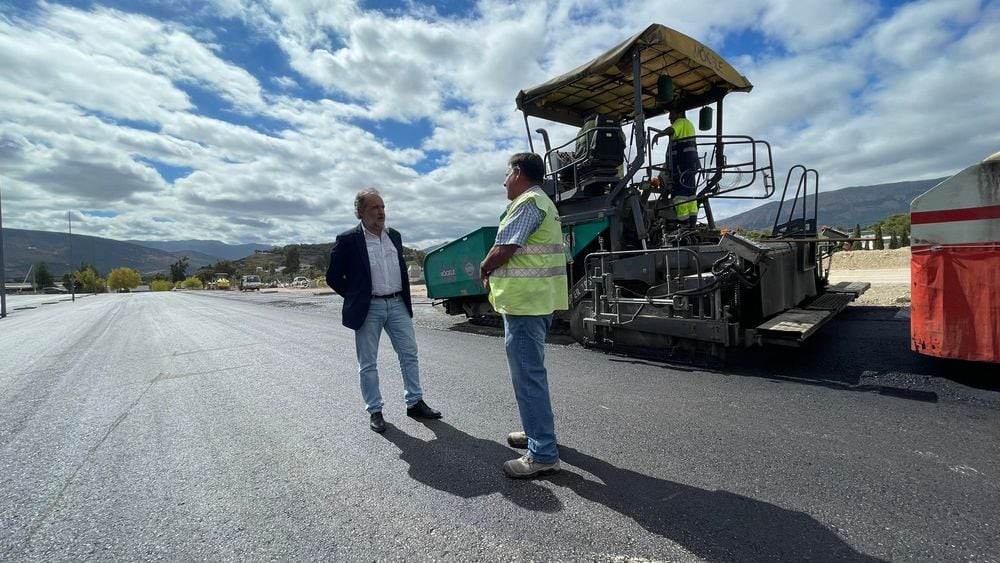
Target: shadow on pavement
(865,349)
(466,466)
(714,525)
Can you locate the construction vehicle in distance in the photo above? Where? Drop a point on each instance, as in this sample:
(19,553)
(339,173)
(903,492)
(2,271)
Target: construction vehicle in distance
(640,277)
(251,283)
(955,266)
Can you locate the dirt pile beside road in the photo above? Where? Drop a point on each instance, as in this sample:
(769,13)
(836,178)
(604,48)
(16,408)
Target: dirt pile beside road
(880,294)
(872,259)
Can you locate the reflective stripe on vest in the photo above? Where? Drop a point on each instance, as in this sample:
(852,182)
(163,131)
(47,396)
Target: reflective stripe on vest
(540,249)
(533,281)
(529,272)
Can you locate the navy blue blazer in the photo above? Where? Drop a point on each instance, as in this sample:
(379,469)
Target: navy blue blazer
(350,274)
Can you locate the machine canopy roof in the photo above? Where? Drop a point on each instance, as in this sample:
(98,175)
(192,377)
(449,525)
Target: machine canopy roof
(604,85)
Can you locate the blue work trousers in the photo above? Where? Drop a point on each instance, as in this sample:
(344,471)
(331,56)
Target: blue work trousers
(524,341)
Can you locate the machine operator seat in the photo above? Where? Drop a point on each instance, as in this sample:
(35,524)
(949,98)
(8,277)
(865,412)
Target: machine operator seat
(599,156)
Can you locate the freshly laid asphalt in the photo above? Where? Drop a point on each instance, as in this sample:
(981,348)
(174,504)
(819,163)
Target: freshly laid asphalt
(226,426)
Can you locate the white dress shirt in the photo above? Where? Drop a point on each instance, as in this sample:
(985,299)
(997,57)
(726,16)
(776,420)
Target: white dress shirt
(383,257)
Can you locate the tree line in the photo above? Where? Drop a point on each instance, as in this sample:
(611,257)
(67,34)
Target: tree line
(896,226)
(87,278)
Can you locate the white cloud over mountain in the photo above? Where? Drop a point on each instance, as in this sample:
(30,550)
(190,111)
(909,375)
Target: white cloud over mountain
(258,121)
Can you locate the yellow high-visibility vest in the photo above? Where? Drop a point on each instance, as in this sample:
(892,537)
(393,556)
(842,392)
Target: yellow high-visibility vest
(533,281)
(683,129)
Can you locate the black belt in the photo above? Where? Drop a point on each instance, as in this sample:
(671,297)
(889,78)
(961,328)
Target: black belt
(390,296)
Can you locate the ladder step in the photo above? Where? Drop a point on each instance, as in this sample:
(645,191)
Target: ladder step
(794,324)
(857,288)
(832,301)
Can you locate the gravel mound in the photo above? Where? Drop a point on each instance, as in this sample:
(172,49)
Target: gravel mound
(872,259)
(883,295)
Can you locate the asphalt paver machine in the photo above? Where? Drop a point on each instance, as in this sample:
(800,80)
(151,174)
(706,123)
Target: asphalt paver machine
(641,278)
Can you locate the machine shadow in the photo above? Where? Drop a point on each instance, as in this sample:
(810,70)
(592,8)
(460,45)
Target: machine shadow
(714,525)
(858,346)
(463,465)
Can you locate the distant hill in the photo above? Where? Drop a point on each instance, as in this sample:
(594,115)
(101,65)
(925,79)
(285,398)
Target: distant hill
(219,250)
(23,248)
(859,205)
(315,255)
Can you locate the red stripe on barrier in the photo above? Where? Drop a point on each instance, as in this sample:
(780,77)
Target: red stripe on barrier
(953,215)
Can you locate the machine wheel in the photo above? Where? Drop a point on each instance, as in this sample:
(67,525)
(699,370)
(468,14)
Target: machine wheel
(577,329)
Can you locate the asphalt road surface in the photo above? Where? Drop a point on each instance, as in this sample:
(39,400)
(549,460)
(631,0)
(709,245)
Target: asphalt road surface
(228,426)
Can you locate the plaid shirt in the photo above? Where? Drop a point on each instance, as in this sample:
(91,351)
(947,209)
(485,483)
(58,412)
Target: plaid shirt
(525,220)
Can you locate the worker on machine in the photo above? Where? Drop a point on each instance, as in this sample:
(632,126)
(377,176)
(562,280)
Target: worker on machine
(683,164)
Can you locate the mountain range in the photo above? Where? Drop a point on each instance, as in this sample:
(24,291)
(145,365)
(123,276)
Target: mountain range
(219,250)
(61,254)
(859,205)
(846,207)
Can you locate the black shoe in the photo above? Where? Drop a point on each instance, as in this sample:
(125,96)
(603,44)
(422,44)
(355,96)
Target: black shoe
(377,423)
(421,410)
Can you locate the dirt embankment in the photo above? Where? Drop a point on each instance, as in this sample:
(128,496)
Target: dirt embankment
(898,258)
(883,294)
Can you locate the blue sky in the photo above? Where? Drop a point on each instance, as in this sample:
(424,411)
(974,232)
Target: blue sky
(257,121)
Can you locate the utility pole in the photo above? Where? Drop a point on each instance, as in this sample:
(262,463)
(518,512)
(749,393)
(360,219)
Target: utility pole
(3,270)
(72,280)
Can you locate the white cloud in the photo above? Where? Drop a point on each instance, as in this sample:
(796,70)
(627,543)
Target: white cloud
(93,100)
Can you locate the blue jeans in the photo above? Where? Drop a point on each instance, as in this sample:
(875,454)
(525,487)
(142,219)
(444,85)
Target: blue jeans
(392,316)
(524,340)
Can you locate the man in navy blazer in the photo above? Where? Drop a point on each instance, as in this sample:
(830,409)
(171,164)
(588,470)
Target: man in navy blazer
(367,269)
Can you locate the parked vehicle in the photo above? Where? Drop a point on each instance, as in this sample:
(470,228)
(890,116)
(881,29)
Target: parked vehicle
(955,264)
(251,283)
(300,282)
(55,289)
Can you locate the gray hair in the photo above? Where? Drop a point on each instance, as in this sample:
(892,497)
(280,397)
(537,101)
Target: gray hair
(359,200)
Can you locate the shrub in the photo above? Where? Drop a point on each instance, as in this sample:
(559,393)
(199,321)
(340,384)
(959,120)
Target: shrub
(124,278)
(160,285)
(192,282)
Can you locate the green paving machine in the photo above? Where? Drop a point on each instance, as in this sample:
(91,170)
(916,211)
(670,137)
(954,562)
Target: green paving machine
(641,278)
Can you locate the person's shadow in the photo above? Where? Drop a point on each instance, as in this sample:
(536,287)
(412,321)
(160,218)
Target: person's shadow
(714,525)
(466,466)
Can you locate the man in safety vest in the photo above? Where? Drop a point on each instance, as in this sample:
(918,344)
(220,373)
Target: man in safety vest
(684,165)
(525,272)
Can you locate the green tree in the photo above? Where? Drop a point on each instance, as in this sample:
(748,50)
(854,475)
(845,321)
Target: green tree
(879,243)
(124,278)
(85,266)
(904,240)
(43,277)
(225,267)
(896,224)
(292,259)
(192,282)
(856,234)
(893,241)
(89,279)
(178,270)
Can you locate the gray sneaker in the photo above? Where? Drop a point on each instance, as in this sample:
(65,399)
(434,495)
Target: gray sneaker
(517,440)
(525,467)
